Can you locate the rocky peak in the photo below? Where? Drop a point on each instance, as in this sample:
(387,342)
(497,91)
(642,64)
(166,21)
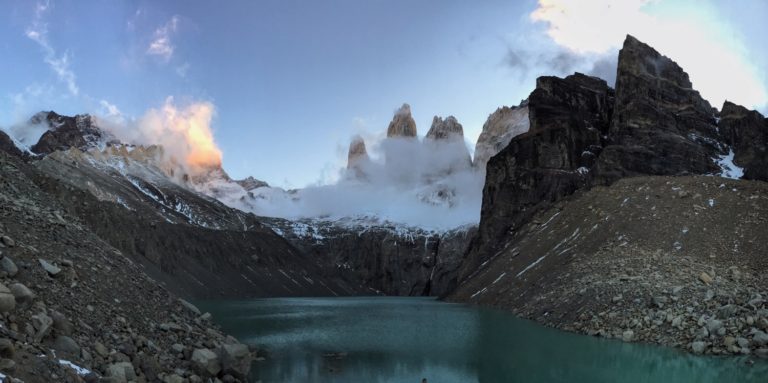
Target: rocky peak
(69,132)
(402,124)
(746,132)
(357,152)
(445,129)
(249,183)
(500,127)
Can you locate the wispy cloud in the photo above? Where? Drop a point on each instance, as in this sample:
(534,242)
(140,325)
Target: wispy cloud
(38,32)
(182,70)
(161,45)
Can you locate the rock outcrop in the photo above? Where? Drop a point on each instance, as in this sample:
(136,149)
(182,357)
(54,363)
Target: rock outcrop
(250,183)
(7,145)
(68,132)
(447,129)
(746,131)
(502,125)
(402,124)
(357,154)
(569,118)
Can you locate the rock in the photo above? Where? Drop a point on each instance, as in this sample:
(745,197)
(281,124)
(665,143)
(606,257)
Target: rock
(698,347)
(7,265)
(170,327)
(704,277)
(7,145)
(501,127)
(628,335)
(760,338)
(357,156)
(742,342)
(177,348)
(206,317)
(659,301)
(173,378)
(729,341)
(7,365)
(22,293)
(6,348)
(713,325)
(205,362)
(746,133)
(68,132)
(235,360)
(100,349)
(121,372)
(402,124)
(51,269)
(190,306)
(42,324)
(66,346)
(61,324)
(7,300)
(7,241)
(447,129)
(702,333)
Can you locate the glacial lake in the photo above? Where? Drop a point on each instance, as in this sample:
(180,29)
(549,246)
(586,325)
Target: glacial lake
(385,339)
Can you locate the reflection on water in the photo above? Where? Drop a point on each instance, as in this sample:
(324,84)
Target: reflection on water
(405,339)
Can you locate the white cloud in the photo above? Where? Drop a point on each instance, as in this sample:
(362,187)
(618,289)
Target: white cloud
(38,32)
(719,66)
(161,44)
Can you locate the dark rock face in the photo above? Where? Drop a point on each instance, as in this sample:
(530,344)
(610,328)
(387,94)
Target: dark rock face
(661,125)
(747,133)
(7,145)
(569,118)
(384,258)
(68,132)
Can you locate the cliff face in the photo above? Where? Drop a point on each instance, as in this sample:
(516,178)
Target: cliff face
(582,134)
(402,124)
(569,118)
(68,132)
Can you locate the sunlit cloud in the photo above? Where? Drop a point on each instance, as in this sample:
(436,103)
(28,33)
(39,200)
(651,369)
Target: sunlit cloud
(717,62)
(38,32)
(161,44)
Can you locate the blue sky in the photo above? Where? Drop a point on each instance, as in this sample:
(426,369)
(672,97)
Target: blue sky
(292,81)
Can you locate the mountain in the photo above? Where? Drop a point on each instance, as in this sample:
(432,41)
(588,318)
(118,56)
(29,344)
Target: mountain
(402,124)
(583,227)
(501,126)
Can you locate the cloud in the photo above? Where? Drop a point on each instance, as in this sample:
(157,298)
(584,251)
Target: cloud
(161,44)
(699,42)
(38,32)
(182,70)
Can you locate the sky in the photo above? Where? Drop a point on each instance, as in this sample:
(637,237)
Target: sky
(276,89)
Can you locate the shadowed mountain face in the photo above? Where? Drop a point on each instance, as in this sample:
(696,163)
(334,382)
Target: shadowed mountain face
(583,133)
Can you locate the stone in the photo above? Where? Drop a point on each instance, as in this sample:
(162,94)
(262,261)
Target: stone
(702,333)
(205,362)
(7,265)
(713,325)
(704,277)
(7,300)
(173,378)
(628,335)
(100,349)
(6,348)
(742,342)
(50,268)
(729,341)
(66,346)
(177,348)
(698,347)
(190,306)
(760,338)
(7,241)
(235,360)
(42,324)
(61,324)
(121,372)
(22,293)
(7,365)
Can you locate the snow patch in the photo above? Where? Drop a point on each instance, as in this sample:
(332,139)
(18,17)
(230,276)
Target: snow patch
(82,371)
(729,169)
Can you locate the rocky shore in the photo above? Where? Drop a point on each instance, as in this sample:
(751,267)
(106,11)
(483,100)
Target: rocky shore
(75,309)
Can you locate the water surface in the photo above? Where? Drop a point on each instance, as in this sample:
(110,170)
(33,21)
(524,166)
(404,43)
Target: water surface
(383,339)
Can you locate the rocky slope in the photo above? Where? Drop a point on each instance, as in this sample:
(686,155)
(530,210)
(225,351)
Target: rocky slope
(583,133)
(74,308)
(677,261)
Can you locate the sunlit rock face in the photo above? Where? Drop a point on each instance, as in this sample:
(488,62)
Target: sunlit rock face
(445,129)
(502,125)
(402,124)
(357,153)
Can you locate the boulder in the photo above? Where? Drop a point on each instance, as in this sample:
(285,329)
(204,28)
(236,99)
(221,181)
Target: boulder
(6,348)
(205,362)
(61,324)
(121,372)
(50,268)
(42,324)
(235,360)
(7,300)
(7,265)
(66,346)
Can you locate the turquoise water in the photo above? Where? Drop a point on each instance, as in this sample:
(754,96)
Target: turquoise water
(406,339)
